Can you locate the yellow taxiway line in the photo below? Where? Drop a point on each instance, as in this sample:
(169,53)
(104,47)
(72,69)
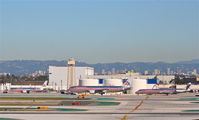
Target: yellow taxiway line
(135,108)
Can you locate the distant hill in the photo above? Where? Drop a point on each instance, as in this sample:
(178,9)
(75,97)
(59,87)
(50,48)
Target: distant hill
(195,61)
(27,67)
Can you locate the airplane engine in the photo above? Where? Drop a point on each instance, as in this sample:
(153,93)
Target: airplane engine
(24,91)
(92,91)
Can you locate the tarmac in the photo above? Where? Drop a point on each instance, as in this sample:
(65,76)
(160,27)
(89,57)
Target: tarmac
(131,107)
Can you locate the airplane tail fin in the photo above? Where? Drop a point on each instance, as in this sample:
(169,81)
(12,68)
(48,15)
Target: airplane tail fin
(126,83)
(45,83)
(188,86)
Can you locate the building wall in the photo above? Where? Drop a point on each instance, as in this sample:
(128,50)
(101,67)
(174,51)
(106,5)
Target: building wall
(58,75)
(164,78)
(136,84)
(5,86)
(83,72)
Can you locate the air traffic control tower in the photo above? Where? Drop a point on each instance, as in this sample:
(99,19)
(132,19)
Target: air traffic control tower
(71,73)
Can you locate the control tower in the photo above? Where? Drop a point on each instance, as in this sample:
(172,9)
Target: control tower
(71,77)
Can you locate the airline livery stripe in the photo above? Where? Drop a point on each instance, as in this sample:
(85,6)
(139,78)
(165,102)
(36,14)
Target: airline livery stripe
(95,89)
(24,90)
(154,91)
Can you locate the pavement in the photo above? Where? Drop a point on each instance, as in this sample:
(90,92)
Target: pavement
(131,107)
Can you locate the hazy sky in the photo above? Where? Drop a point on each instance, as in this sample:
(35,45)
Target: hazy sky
(100,30)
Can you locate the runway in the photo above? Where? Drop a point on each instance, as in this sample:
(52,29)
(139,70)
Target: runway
(155,107)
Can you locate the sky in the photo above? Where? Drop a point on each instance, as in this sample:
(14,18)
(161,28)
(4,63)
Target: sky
(99,31)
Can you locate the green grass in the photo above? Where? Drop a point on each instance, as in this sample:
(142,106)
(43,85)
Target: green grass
(50,109)
(189,98)
(107,103)
(43,98)
(194,102)
(33,98)
(191,111)
(97,103)
(65,109)
(7,119)
(104,98)
(16,108)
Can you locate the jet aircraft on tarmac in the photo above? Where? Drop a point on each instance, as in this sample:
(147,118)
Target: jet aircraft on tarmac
(164,91)
(97,89)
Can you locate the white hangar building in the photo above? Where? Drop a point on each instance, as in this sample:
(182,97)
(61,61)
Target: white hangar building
(59,75)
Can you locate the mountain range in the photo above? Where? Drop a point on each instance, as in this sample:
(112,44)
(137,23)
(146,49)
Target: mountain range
(27,67)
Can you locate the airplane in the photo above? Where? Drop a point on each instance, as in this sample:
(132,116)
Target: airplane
(97,89)
(27,88)
(156,91)
(164,91)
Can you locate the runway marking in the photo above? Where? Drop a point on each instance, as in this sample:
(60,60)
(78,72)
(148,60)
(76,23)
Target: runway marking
(134,109)
(107,113)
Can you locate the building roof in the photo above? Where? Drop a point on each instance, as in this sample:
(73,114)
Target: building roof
(29,83)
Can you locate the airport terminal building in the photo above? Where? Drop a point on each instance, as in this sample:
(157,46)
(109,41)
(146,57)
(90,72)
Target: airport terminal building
(63,77)
(59,75)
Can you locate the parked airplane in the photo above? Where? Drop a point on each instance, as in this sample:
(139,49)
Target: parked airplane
(100,89)
(97,89)
(28,88)
(164,91)
(25,89)
(156,91)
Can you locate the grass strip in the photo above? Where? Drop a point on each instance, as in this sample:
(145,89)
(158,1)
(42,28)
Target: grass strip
(194,102)
(65,109)
(190,110)
(32,98)
(189,98)
(104,98)
(27,103)
(8,119)
(95,103)
(36,109)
